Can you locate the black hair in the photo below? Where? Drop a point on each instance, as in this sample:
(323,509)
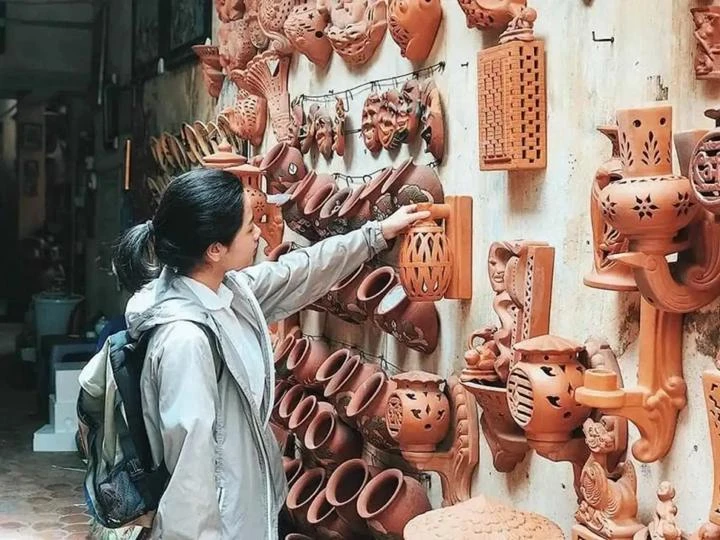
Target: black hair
(198,208)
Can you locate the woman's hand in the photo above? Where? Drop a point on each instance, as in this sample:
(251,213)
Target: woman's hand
(401,220)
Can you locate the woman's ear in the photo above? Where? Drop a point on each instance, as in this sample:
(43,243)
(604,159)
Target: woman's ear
(215,252)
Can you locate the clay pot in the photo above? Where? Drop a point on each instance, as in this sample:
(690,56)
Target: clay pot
(343,489)
(281,389)
(279,251)
(315,204)
(328,217)
(293,470)
(390,500)
(355,210)
(374,287)
(283,166)
(300,194)
(381,204)
(281,356)
(332,365)
(325,521)
(304,414)
(303,492)
(289,403)
(306,358)
(414,25)
(342,300)
(418,412)
(366,410)
(411,184)
(305,28)
(541,387)
(414,324)
(331,441)
(346,380)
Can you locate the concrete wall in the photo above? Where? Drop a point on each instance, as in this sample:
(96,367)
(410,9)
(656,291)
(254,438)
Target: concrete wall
(31,208)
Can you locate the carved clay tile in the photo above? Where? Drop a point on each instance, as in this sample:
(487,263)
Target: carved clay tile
(356,27)
(305,28)
(707,35)
(511,105)
(484,14)
(433,120)
(213,76)
(414,25)
(236,48)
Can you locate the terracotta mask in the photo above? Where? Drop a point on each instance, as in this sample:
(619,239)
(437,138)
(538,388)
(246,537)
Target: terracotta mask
(414,25)
(356,27)
(433,121)
(369,116)
(324,133)
(497,263)
(408,111)
(305,28)
(339,128)
(387,119)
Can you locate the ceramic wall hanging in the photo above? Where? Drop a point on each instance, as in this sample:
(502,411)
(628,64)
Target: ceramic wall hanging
(374,288)
(432,127)
(213,76)
(356,28)
(389,501)
(485,14)
(387,119)
(235,43)
(339,128)
(413,184)
(315,206)
(271,16)
(342,298)
(481,519)
(607,274)
(229,10)
(343,490)
(707,35)
(283,166)
(331,441)
(300,195)
(659,213)
(366,410)
(414,324)
(703,162)
(511,106)
(435,261)
(435,433)
(305,358)
(305,28)
(664,524)
(414,25)
(345,382)
(248,117)
(324,133)
(371,136)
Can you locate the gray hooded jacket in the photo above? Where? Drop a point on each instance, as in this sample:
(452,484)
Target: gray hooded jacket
(226,479)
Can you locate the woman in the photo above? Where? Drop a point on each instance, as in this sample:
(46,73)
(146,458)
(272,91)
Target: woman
(192,263)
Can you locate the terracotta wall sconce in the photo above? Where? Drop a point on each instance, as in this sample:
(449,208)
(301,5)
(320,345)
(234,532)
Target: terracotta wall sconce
(305,28)
(248,117)
(486,14)
(436,429)
(521,275)
(356,29)
(707,35)
(414,25)
(213,75)
(435,261)
(512,104)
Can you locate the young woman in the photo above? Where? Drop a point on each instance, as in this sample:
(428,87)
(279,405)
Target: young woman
(192,262)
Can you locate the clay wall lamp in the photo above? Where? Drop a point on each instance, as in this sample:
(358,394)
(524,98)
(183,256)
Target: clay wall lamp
(213,75)
(436,260)
(435,425)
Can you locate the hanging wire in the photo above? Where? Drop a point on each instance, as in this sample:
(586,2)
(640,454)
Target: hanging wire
(380,359)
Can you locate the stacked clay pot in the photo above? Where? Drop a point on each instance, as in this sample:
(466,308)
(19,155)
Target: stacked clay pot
(367,410)
(343,490)
(345,381)
(302,494)
(305,359)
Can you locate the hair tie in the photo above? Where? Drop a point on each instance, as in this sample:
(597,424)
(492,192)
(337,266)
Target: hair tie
(150,227)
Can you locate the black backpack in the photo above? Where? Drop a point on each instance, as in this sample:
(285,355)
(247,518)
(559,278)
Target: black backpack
(122,486)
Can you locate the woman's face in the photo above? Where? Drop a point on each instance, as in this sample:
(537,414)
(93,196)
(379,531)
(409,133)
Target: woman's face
(241,252)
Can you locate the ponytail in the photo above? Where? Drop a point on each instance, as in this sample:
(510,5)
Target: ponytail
(134,257)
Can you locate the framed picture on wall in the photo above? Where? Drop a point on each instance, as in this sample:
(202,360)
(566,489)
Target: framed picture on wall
(31,137)
(30,177)
(190,23)
(146,37)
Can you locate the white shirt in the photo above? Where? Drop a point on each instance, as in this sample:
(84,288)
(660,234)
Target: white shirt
(231,333)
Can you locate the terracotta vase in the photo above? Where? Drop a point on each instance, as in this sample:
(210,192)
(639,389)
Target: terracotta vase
(289,403)
(356,28)
(281,355)
(381,204)
(541,386)
(418,412)
(432,128)
(412,184)
(314,206)
(369,130)
(305,359)
(414,25)
(342,300)
(649,205)
(325,521)
(283,166)
(366,410)
(305,28)
(331,441)
(293,470)
(211,68)
(414,324)
(328,217)
(374,287)
(305,413)
(355,210)
(343,490)
(390,500)
(302,494)
(348,377)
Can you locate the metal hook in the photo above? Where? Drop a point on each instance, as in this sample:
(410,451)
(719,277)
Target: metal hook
(611,39)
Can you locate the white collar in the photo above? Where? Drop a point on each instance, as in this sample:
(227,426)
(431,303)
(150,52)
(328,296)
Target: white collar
(210,299)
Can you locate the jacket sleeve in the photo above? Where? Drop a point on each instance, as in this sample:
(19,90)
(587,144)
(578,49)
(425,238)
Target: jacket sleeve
(187,389)
(304,275)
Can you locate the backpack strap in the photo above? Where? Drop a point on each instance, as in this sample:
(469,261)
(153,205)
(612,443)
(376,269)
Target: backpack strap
(215,348)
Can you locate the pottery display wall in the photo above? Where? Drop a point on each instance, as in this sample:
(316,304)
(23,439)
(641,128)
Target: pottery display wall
(586,83)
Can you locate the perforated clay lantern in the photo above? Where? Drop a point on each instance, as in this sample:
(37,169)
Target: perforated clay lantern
(436,260)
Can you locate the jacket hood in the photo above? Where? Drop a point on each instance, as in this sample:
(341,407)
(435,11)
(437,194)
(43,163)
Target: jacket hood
(162,301)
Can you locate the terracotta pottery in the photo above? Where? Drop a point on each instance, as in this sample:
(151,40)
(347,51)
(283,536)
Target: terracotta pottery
(248,117)
(300,194)
(541,388)
(390,500)
(342,299)
(306,126)
(374,287)
(289,403)
(366,410)
(356,28)
(485,14)
(512,106)
(607,274)
(711,389)
(305,28)
(229,10)
(433,120)
(235,46)
(331,441)
(414,25)
(213,76)
(324,133)
(281,356)
(380,205)
(414,324)
(698,157)
(306,357)
(340,388)
(418,412)
(325,521)
(314,206)
(303,492)
(332,365)
(328,220)
(412,184)
(283,166)
(387,119)
(355,210)
(343,490)
(707,35)
(480,519)
(281,389)
(293,470)
(339,128)
(305,413)
(369,130)
(685,143)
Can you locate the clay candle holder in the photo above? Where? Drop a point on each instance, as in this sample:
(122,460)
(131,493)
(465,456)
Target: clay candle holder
(436,262)
(414,25)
